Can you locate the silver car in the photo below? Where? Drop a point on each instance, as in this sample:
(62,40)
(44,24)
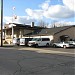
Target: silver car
(62,44)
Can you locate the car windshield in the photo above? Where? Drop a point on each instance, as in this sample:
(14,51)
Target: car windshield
(66,42)
(36,39)
(71,41)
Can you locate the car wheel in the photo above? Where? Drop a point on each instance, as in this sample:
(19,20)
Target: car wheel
(64,46)
(47,44)
(36,45)
(17,44)
(54,45)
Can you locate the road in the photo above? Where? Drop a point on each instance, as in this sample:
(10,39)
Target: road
(36,61)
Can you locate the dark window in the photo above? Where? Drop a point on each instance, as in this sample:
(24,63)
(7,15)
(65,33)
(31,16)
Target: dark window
(45,39)
(27,40)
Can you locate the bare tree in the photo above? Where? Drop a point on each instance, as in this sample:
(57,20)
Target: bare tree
(53,24)
(42,23)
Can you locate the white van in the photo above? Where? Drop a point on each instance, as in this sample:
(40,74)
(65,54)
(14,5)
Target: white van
(24,41)
(39,42)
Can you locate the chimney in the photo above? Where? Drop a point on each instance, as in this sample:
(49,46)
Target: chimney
(32,24)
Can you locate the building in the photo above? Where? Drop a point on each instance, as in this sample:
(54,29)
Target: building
(21,31)
(58,34)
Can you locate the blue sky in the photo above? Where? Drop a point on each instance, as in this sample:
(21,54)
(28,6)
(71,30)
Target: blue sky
(35,10)
(20,6)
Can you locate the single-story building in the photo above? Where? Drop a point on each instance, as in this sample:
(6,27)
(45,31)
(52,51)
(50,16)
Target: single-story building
(57,33)
(19,31)
(60,33)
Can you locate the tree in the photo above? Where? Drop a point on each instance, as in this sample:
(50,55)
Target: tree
(42,23)
(53,24)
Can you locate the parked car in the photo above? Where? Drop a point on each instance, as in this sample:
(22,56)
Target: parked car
(27,40)
(39,42)
(24,41)
(72,42)
(62,44)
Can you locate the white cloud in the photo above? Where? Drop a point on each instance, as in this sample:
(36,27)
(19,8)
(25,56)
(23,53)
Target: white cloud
(70,4)
(45,5)
(20,19)
(38,13)
(63,23)
(53,11)
(35,14)
(58,11)
(46,10)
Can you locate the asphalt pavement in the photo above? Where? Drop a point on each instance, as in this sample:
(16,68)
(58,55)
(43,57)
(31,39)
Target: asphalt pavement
(36,61)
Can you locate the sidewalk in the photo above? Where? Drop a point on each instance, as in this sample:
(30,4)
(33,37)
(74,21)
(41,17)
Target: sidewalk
(7,45)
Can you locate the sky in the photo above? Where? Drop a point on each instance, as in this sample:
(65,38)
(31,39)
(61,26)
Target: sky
(26,11)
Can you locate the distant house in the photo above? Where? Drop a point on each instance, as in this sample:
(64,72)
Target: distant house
(58,33)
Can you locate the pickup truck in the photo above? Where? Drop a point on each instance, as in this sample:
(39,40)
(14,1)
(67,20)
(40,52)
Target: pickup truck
(62,44)
(72,42)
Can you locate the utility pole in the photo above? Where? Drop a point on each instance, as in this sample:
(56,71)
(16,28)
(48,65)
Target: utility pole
(1,23)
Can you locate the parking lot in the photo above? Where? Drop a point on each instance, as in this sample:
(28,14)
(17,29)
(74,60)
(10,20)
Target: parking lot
(51,50)
(36,61)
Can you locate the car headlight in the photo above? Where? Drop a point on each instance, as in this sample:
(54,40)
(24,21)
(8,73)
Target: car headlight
(34,43)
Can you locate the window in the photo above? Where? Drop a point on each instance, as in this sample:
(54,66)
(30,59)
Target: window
(36,39)
(45,39)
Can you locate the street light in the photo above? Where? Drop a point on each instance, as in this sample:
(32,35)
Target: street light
(1,23)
